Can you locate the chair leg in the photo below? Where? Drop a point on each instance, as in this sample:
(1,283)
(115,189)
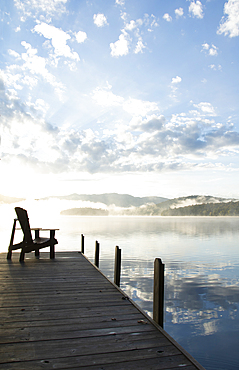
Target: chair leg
(37,253)
(9,255)
(22,255)
(52,251)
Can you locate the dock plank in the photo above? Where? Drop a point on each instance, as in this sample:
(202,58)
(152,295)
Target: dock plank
(65,314)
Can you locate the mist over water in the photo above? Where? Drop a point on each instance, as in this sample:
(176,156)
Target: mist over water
(201,270)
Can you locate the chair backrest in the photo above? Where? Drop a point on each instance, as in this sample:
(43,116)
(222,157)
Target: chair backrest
(25,225)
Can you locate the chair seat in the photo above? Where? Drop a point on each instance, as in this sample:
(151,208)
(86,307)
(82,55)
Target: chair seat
(41,240)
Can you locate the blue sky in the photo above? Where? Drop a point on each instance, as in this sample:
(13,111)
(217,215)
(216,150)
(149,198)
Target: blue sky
(137,97)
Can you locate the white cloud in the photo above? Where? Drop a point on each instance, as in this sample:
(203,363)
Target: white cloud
(179,12)
(18,29)
(120,2)
(137,107)
(144,144)
(58,39)
(140,46)
(176,80)
(205,46)
(14,54)
(195,8)
(37,65)
(230,22)
(131,37)
(174,86)
(206,108)
(31,8)
(100,20)
(80,36)
(215,68)
(105,97)
(213,50)
(120,47)
(131,25)
(167,17)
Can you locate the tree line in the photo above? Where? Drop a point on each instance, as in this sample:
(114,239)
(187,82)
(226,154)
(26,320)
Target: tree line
(208,209)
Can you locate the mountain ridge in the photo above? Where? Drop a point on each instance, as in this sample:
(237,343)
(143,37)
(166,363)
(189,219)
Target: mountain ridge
(119,200)
(124,204)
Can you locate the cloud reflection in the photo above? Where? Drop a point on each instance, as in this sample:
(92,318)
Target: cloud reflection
(199,300)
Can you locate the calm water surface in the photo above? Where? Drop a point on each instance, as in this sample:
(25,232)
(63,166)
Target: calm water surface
(201,273)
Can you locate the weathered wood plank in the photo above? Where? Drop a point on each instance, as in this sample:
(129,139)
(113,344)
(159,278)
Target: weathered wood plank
(79,347)
(64,313)
(134,359)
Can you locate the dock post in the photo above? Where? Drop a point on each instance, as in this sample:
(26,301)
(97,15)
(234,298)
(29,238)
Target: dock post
(82,244)
(97,253)
(158,300)
(117,266)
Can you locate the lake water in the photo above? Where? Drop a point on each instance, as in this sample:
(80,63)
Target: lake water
(201,273)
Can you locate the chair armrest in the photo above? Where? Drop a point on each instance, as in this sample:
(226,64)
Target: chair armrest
(52,232)
(49,229)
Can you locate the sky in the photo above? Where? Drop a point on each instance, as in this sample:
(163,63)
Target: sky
(137,97)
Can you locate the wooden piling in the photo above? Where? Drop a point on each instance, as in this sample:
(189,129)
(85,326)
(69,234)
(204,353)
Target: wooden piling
(97,253)
(82,244)
(158,300)
(117,266)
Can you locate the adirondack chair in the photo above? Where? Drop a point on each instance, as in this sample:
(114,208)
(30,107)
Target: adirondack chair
(28,244)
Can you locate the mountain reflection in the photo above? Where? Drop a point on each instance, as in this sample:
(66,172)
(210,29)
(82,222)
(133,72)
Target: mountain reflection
(125,226)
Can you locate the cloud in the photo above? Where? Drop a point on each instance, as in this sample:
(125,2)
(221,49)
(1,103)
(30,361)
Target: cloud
(213,50)
(120,47)
(230,22)
(131,37)
(195,8)
(120,2)
(174,86)
(105,97)
(176,80)
(167,17)
(135,107)
(58,39)
(80,36)
(29,70)
(32,8)
(100,20)
(206,108)
(179,12)
(215,68)
(152,143)
(14,54)
(133,24)
(140,46)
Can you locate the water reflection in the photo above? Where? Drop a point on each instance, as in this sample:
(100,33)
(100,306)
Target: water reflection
(201,272)
(201,301)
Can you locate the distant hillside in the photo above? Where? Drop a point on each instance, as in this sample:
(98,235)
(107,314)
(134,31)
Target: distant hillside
(119,200)
(125,204)
(157,209)
(84,212)
(8,200)
(209,209)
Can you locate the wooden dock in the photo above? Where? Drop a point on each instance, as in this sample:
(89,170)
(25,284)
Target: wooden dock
(65,314)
